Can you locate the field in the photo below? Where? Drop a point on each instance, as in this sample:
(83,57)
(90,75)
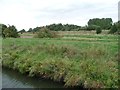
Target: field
(87,60)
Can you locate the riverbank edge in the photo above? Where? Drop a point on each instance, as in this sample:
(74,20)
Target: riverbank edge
(40,77)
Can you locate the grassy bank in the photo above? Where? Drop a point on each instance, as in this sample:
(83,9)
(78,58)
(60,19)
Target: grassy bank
(90,63)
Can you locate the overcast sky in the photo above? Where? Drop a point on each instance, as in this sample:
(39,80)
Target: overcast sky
(32,13)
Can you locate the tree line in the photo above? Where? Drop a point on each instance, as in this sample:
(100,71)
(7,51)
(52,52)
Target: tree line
(93,24)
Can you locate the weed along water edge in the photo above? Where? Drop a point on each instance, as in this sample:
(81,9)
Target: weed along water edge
(87,63)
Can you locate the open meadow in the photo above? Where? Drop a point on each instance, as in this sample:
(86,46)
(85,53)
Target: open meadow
(87,60)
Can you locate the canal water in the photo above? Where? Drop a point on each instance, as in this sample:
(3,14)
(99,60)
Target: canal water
(14,79)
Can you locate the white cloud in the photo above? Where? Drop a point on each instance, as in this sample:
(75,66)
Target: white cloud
(32,13)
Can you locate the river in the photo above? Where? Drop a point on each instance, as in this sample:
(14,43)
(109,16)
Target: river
(14,79)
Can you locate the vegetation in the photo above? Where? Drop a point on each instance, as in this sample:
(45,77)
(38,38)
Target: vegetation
(80,57)
(93,24)
(30,30)
(57,27)
(98,30)
(113,29)
(104,23)
(92,27)
(22,31)
(45,33)
(9,31)
(3,27)
(91,63)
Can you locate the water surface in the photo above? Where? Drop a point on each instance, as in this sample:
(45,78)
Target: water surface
(14,79)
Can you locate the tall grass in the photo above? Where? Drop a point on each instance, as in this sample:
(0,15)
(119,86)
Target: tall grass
(75,63)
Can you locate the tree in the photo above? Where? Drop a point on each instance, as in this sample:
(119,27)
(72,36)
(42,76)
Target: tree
(36,29)
(98,30)
(30,30)
(118,27)
(113,29)
(91,27)
(22,31)
(104,23)
(10,31)
(2,28)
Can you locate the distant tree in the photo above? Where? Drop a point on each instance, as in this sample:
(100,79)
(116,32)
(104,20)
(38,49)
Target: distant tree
(10,31)
(61,27)
(36,29)
(113,29)
(98,30)
(83,27)
(30,30)
(91,27)
(22,31)
(118,27)
(104,23)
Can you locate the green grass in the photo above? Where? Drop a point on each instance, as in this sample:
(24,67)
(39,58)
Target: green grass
(90,63)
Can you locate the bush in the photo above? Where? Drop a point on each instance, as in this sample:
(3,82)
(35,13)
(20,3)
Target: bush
(98,30)
(92,27)
(45,33)
(113,29)
(10,31)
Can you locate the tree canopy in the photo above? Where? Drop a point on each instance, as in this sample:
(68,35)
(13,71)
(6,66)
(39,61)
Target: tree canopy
(22,31)
(104,23)
(57,27)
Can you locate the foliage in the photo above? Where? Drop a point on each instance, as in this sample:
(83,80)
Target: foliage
(113,29)
(30,30)
(118,27)
(22,31)
(92,27)
(76,63)
(3,27)
(104,23)
(45,33)
(10,31)
(98,30)
(58,27)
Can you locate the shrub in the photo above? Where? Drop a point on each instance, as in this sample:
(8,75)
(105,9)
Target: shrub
(98,30)
(45,33)
(92,27)
(113,29)
(10,31)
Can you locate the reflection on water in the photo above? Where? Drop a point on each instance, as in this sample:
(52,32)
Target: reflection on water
(14,79)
